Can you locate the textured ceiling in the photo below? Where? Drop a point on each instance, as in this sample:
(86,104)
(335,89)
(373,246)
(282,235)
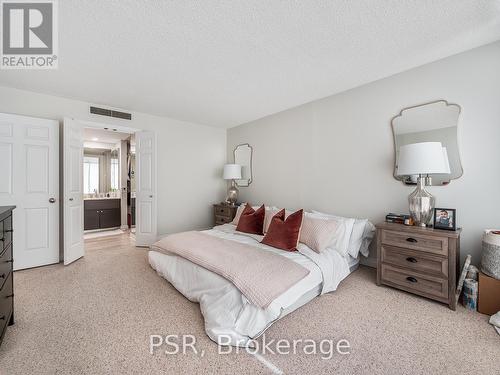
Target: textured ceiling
(223,63)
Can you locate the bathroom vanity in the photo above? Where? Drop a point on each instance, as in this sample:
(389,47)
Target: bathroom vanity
(102,213)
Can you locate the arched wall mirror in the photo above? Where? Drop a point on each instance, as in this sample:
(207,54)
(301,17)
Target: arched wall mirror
(431,122)
(243,157)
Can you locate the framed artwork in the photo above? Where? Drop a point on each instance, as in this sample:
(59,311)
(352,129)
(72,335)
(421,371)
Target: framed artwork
(445,218)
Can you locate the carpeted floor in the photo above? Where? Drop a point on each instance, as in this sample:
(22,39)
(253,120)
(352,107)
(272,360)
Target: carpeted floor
(96,315)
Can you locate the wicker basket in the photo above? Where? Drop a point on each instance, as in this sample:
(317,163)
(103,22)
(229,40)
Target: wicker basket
(490,261)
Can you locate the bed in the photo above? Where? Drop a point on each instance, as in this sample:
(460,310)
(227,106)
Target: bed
(230,318)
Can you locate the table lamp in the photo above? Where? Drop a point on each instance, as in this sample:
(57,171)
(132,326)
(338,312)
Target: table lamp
(422,159)
(232,172)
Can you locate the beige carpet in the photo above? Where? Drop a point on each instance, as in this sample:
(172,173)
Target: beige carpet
(95,317)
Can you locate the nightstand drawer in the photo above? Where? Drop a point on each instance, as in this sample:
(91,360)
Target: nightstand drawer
(219,220)
(415,260)
(424,285)
(223,211)
(414,241)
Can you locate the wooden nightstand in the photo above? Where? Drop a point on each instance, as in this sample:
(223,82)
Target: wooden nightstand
(224,213)
(422,261)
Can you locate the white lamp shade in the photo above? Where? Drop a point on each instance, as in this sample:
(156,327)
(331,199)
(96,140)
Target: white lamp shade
(232,172)
(422,158)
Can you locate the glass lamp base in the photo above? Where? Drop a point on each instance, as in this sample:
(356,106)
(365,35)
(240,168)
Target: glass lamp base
(421,204)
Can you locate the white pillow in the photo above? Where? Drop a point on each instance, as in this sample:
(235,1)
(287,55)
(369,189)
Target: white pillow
(362,242)
(340,241)
(361,235)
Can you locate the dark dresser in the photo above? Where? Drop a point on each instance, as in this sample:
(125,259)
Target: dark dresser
(6,274)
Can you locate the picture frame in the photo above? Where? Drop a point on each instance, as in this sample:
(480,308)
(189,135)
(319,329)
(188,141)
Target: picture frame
(445,218)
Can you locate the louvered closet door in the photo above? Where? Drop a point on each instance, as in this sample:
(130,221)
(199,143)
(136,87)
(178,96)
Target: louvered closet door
(29,167)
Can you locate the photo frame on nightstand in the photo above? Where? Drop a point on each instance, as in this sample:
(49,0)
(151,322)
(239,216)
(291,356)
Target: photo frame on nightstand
(445,218)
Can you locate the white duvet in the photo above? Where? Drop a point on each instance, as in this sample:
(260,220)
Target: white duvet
(226,311)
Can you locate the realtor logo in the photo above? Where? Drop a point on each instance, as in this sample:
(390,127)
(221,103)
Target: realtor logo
(29,34)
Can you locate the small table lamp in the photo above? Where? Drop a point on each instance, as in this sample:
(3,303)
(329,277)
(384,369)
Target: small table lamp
(422,159)
(232,172)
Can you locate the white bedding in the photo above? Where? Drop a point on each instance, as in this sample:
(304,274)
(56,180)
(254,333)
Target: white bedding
(226,311)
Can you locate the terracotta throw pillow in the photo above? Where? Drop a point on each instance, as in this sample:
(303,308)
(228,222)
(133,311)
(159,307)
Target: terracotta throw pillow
(252,221)
(284,234)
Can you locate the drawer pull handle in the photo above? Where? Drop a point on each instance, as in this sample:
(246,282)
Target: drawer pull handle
(2,317)
(411,260)
(410,239)
(411,279)
(2,276)
(10,295)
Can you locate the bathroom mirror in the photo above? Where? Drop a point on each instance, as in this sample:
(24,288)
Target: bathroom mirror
(431,122)
(243,157)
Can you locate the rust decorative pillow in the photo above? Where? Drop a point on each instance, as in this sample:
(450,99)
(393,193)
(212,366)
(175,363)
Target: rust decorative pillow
(284,233)
(252,221)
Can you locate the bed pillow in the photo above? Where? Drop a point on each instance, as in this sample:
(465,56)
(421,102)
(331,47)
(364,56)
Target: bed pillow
(237,216)
(366,237)
(270,212)
(284,233)
(318,232)
(251,220)
(361,235)
(342,236)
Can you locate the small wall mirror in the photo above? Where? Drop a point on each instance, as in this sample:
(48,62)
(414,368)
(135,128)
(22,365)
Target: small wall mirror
(243,157)
(432,122)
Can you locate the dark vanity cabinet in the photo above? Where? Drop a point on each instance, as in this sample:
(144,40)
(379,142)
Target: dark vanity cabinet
(101,213)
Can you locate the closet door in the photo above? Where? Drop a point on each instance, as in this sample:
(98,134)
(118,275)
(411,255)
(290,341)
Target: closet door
(29,165)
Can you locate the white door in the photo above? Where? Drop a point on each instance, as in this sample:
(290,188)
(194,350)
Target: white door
(73,190)
(145,226)
(29,163)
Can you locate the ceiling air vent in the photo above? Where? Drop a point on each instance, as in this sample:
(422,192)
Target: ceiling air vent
(110,113)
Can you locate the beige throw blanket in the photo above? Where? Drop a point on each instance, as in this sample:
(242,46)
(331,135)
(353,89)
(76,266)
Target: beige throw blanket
(261,276)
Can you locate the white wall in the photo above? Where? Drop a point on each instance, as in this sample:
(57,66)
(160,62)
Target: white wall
(336,154)
(190,156)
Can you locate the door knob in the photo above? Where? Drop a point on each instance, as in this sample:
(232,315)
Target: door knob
(150,196)
(52,200)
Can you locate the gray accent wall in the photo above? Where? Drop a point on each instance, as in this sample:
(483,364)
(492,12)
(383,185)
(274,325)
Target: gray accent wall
(337,154)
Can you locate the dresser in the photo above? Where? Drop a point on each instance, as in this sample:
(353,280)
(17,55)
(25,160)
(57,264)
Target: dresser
(224,213)
(6,274)
(422,261)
